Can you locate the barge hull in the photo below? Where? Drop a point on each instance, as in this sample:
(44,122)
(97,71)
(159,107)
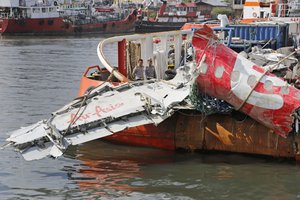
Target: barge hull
(58,26)
(225,133)
(47,26)
(151,27)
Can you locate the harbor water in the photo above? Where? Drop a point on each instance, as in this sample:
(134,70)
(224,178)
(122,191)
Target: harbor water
(39,75)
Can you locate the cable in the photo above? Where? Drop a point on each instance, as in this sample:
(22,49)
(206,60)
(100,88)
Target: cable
(271,68)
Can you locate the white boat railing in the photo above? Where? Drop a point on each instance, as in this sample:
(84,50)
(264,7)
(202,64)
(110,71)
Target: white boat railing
(153,45)
(291,9)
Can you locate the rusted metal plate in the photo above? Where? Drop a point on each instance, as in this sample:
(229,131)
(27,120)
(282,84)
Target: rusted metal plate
(225,133)
(161,136)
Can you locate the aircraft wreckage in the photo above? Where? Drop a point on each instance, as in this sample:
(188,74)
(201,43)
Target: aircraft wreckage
(195,109)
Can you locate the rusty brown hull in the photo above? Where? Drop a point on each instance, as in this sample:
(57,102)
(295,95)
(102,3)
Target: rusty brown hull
(192,131)
(225,133)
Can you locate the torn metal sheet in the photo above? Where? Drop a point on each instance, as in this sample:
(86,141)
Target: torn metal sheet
(268,59)
(245,85)
(104,111)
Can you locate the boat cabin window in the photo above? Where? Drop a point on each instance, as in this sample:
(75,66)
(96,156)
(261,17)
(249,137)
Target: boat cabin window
(35,10)
(262,14)
(239,2)
(191,9)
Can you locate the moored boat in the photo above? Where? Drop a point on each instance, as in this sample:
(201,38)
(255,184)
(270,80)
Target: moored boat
(271,24)
(169,17)
(279,10)
(51,18)
(195,130)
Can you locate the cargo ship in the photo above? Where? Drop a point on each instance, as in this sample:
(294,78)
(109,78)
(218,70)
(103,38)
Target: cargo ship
(170,16)
(278,10)
(54,18)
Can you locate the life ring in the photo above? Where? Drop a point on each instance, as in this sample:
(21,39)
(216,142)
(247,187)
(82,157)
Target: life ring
(254,14)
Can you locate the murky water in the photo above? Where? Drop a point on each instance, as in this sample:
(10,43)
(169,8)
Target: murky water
(39,75)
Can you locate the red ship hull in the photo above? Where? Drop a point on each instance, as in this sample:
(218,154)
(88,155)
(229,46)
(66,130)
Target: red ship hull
(34,26)
(192,130)
(161,137)
(57,26)
(195,132)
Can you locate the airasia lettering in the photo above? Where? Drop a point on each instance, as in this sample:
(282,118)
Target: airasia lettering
(98,111)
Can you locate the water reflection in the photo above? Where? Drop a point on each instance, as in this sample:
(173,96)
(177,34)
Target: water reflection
(117,171)
(106,167)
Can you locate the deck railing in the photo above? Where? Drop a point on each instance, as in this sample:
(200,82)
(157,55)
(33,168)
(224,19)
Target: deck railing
(288,9)
(153,45)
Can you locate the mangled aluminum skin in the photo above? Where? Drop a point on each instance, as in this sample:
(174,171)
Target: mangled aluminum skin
(248,87)
(104,111)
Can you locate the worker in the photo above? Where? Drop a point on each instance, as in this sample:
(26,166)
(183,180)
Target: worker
(138,71)
(150,70)
(170,73)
